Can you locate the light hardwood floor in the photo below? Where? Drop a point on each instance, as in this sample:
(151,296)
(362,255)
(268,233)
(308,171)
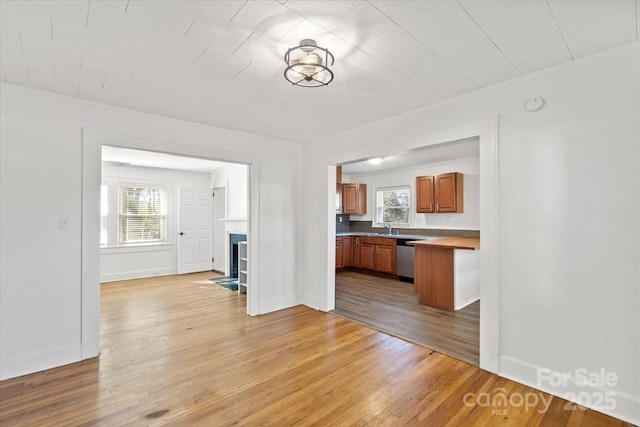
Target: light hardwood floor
(391,306)
(179,352)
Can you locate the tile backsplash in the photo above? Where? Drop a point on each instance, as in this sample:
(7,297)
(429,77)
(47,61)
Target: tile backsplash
(342,223)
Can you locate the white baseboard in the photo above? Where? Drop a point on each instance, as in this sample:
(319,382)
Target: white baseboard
(627,407)
(310,301)
(276,304)
(138,274)
(39,362)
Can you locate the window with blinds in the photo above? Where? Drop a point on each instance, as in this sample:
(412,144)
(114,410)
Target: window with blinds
(142,214)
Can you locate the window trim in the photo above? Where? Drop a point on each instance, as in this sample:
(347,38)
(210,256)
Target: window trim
(163,216)
(393,186)
(113,183)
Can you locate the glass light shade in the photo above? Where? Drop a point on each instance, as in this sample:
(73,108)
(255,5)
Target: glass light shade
(308,65)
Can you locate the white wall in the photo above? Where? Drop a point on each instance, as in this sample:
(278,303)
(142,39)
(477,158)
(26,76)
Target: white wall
(41,149)
(468,220)
(569,235)
(234,179)
(120,263)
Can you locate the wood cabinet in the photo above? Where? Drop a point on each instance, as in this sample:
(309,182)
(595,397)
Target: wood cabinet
(355,252)
(425,200)
(378,254)
(338,198)
(354,198)
(440,193)
(346,251)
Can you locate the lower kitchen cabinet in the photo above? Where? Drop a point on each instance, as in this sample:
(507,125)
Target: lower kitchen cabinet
(378,254)
(368,253)
(347,241)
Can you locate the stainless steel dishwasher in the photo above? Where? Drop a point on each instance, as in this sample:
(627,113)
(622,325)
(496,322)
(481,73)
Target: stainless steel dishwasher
(405,259)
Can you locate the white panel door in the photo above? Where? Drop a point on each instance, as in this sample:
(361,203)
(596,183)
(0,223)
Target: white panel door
(219,238)
(194,235)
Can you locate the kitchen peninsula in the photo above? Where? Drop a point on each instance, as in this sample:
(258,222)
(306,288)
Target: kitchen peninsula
(447,271)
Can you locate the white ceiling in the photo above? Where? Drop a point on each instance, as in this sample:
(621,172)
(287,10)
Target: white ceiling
(454,150)
(116,156)
(220,62)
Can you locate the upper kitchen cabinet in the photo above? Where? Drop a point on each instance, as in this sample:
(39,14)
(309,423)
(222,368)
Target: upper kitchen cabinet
(425,200)
(354,199)
(440,193)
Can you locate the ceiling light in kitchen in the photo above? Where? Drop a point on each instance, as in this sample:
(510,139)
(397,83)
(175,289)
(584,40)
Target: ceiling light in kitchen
(375,161)
(308,65)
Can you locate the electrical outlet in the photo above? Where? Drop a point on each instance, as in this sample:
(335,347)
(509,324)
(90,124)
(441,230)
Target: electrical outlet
(339,219)
(449,219)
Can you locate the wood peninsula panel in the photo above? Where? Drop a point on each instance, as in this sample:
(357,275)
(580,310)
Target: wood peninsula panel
(447,271)
(434,276)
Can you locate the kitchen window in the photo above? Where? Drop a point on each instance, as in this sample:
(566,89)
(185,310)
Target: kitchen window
(392,205)
(142,214)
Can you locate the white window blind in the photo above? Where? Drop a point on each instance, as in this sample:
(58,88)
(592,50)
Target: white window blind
(392,205)
(142,214)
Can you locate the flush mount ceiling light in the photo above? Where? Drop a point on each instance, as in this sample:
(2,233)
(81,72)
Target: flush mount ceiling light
(308,65)
(375,161)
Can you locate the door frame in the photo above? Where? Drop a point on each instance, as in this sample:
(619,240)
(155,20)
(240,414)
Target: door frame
(92,142)
(213,228)
(486,129)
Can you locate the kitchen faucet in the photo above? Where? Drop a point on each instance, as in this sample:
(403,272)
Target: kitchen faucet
(388,228)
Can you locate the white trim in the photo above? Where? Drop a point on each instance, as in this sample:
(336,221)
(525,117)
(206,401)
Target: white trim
(627,406)
(92,141)
(487,130)
(39,362)
(137,274)
(395,185)
(135,248)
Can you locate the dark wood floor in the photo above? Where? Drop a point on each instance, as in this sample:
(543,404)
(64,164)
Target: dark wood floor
(180,351)
(390,306)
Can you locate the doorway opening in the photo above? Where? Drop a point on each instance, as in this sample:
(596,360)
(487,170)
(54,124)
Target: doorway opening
(165,242)
(160,215)
(486,131)
(393,218)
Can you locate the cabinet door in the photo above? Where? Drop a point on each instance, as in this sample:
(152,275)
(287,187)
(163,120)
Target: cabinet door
(338,198)
(355,252)
(367,255)
(339,252)
(354,199)
(386,259)
(346,251)
(449,192)
(425,202)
